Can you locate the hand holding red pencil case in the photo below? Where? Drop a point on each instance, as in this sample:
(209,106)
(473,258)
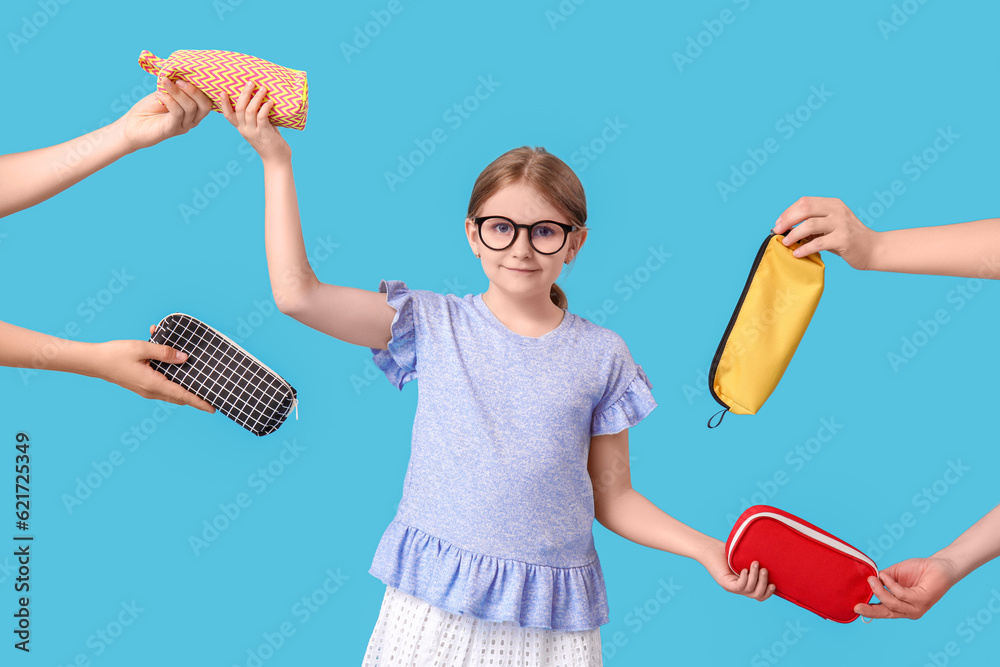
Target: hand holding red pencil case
(808,566)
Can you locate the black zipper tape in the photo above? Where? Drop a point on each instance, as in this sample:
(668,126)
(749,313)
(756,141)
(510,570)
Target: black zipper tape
(732,321)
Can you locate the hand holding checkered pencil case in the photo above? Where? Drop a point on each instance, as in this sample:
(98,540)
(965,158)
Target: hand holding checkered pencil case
(225,375)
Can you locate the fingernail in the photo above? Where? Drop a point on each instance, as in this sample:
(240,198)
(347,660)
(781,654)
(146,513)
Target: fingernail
(182,84)
(181,356)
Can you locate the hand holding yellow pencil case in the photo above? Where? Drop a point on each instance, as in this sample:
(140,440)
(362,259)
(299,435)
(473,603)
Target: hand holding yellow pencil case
(774,310)
(221,73)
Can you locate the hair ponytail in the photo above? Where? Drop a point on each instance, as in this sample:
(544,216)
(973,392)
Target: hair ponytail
(553,179)
(558,296)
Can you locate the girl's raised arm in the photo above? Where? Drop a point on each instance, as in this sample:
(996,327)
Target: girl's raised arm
(357,316)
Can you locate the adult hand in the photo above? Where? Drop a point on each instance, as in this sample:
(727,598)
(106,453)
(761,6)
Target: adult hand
(126,363)
(824,223)
(159,116)
(913,585)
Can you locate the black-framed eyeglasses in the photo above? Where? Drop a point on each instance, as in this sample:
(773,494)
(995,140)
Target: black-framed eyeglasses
(545,236)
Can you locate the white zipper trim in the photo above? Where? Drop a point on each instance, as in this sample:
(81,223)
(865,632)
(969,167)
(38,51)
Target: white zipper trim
(805,530)
(295,400)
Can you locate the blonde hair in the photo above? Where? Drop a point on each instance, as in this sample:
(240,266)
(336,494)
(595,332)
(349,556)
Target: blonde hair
(542,170)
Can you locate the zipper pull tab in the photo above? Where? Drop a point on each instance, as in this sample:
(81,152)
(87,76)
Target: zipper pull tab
(295,404)
(720,414)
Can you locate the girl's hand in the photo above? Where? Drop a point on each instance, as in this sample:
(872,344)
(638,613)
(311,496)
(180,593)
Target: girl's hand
(913,585)
(249,116)
(149,122)
(827,224)
(125,363)
(752,583)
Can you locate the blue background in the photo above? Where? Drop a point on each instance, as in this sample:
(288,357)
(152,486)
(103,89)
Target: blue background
(682,128)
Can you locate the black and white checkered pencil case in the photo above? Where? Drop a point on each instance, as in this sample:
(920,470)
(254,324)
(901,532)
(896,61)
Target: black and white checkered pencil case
(225,375)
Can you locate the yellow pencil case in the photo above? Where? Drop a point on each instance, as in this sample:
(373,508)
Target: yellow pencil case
(221,73)
(774,310)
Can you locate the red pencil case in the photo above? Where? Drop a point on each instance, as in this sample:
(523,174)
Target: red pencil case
(808,566)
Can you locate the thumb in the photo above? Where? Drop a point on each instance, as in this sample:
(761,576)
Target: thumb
(150,105)
(165,353)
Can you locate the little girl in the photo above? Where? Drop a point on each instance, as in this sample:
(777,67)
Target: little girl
(521,432)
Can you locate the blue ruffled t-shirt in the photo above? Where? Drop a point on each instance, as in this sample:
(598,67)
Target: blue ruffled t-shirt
(497,510)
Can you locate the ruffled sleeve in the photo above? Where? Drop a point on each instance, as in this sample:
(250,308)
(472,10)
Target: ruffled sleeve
(399,361)
(629,408)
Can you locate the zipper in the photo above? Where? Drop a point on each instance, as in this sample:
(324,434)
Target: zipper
(295,400)
(732,321)
(833,542)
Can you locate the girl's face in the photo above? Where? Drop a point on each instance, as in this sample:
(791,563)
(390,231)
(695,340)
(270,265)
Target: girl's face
(520,270)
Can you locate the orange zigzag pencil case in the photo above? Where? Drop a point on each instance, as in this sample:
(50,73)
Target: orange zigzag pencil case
(221,73)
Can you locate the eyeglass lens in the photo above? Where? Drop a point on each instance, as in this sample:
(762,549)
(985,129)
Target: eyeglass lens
(545,237)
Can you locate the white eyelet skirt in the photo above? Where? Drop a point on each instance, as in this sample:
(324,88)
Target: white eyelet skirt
(412,633)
